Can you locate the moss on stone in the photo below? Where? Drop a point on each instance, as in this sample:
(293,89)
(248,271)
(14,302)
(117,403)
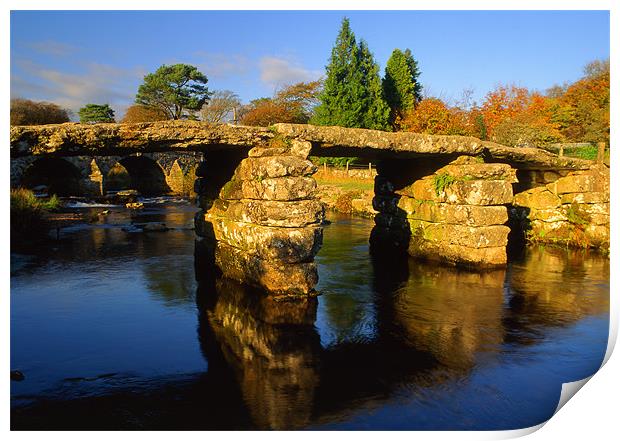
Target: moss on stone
(577,216)
(441,182)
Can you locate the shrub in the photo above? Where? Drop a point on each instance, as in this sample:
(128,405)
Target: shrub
(26,112)
(28,217)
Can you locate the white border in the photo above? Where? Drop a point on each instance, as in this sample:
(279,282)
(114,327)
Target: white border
(592,415)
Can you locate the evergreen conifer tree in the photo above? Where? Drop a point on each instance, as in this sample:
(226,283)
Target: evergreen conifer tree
(401,87)
(352,95)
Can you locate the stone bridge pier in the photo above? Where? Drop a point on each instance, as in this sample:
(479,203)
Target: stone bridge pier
(260,219)
(452,211)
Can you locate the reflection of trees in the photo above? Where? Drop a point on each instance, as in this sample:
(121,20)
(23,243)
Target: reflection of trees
(554,287)
(451,313)
(171,280)
(343,281)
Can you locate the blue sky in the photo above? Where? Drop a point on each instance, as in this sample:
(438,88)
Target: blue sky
(74,58)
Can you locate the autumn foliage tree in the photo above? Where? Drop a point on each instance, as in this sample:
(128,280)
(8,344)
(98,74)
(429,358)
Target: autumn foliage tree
(292,104)
(517,117)
(139,113)
(434,117)
(221,107)
(26,112)
(583,110)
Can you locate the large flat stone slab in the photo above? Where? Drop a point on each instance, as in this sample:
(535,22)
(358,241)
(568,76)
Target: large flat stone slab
(286,188)
(463,235)
(474,192)
(124,139)
(285,214)
(289,245)
(471,215)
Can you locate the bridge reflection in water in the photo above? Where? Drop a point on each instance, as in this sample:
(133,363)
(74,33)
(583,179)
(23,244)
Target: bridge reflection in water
(421,326)
(416,346)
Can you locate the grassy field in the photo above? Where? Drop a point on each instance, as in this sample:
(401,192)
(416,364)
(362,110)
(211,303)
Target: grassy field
(348,184)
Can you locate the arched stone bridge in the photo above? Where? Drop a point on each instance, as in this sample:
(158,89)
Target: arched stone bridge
(448,198)
(93,175)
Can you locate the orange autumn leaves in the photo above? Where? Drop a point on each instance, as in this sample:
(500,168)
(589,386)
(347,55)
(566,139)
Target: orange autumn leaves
(515,116)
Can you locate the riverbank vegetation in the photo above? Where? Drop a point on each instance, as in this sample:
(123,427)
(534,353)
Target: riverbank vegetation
(29,224)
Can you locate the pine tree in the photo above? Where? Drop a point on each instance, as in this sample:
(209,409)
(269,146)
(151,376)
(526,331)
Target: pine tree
(375,111)
(401,87)
(352,95)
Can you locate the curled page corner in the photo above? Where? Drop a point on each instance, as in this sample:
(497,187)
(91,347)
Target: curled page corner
(569,390)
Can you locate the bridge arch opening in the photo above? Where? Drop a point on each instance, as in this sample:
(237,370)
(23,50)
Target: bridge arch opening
(58,175)
(139,173)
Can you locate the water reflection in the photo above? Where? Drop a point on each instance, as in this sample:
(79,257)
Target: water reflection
(552,287)
(271,346)
(390,343)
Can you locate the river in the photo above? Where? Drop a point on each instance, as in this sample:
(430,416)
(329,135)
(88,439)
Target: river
(112,331)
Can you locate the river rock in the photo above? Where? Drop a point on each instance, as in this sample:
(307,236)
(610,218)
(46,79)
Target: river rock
(455,254)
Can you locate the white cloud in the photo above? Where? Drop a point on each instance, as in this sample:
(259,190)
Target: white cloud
(96,83)
(278,72)
(51,47)
(222,65)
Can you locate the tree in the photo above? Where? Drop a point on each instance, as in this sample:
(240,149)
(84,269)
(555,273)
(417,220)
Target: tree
(299,100)
(516,117)
(25,112)
(292,104)
(583,110)
(401,87)
(96,113)
(352,95)
(431,116)
(502,103)
(263,112)
(175,89)
(222,105)
(139,113)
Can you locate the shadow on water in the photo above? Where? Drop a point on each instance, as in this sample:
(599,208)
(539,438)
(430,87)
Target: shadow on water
(390,344)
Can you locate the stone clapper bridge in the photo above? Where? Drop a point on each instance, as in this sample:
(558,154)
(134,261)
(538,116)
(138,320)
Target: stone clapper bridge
(445,198)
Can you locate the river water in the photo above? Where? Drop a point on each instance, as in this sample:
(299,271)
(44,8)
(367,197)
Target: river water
(112,331)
